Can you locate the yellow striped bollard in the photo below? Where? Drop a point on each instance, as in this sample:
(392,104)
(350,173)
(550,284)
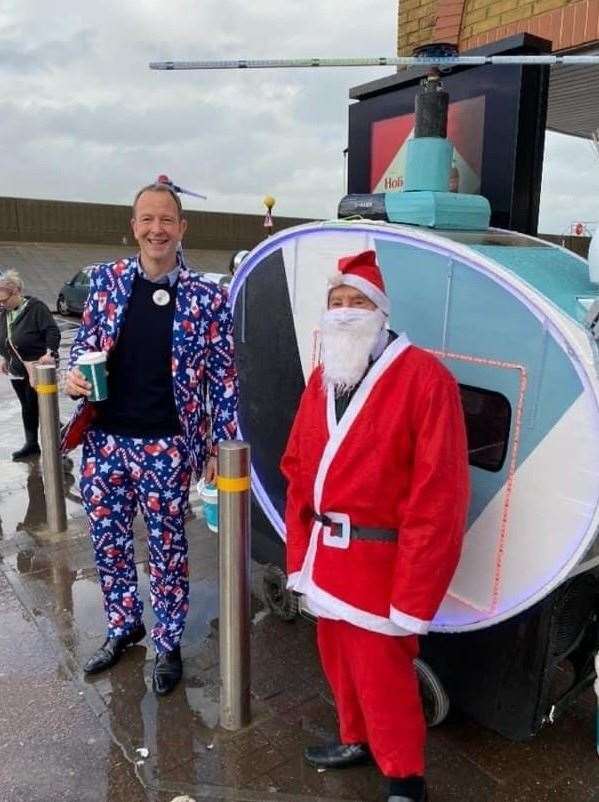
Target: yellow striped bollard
(234,538)
(47,396)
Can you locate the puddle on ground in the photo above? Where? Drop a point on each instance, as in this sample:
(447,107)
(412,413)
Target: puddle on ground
(23,501)
(202,701)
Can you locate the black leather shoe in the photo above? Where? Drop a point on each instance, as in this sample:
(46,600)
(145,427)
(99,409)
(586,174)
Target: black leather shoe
(110,651)
(422,797)
(168,670)
(337,756)
(27,451)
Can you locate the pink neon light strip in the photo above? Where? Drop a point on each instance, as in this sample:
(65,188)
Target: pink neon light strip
(503,531)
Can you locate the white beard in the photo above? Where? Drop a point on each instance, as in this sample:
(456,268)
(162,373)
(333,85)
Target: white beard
(349,339)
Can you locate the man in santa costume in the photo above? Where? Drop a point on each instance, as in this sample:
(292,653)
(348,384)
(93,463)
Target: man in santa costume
(377,467)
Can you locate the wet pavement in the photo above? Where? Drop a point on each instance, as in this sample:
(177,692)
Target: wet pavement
(63,737)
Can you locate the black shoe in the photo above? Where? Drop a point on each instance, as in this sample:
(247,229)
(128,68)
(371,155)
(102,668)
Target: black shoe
(415,794)
(168,670)
(27,451)
(337,756)
(109,653)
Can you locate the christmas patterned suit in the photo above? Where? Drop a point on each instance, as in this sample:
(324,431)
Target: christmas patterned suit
(152,472)
(375,514)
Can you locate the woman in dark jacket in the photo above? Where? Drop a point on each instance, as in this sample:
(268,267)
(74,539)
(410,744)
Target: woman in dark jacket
(28,334)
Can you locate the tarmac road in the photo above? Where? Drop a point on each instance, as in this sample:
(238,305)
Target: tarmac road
(46,266)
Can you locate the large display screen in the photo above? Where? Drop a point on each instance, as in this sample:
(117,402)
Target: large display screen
(465,126)
(496,121)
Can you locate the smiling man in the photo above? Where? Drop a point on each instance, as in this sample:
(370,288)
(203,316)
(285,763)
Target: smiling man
(168,337)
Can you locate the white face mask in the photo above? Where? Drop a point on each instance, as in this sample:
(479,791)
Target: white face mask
(349,338)
(344,316)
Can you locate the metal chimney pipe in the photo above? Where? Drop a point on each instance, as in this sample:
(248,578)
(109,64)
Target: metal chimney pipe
(432,105)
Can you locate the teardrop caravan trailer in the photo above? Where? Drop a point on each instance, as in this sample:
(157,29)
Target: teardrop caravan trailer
(505,313)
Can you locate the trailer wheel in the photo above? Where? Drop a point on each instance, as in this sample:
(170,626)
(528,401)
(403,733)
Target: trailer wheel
(435,700)
(282,602)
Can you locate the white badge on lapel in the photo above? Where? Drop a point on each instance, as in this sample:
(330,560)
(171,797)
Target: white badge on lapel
(161,297)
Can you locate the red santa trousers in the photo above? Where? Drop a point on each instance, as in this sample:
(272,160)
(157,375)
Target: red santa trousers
(376,691)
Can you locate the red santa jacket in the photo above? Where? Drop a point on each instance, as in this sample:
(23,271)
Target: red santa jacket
(397,459)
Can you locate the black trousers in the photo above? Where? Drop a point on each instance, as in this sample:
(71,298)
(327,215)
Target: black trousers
(29,408)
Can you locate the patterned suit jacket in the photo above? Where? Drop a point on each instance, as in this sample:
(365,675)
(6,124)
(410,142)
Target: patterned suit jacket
(203,369)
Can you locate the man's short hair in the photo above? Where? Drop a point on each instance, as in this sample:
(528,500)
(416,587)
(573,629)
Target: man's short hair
(157,186)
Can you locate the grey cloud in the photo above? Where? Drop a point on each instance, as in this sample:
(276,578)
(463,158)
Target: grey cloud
(99,121)
(85,119)
(24,57)
(570,190)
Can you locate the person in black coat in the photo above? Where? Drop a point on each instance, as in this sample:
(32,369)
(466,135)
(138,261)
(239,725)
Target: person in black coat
(28,334)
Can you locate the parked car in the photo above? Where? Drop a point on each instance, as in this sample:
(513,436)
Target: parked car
(73,294)
(222,279)
(236,259)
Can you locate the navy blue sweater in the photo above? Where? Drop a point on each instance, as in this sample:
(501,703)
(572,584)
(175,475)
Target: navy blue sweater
(141,400)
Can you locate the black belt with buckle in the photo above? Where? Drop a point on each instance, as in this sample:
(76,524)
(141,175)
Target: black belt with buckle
(358,532)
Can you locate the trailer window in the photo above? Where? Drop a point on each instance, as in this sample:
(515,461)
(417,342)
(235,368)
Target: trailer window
(488,415)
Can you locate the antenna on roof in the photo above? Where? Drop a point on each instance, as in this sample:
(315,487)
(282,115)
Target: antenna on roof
(383,61)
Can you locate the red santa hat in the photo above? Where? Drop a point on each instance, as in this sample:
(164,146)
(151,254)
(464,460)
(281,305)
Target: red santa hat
(362,272)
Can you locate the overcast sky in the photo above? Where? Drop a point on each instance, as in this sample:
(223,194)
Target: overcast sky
(83,118)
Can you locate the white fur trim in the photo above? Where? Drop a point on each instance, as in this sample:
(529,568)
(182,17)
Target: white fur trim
(319,600)
(368,289)
(292,580)
(328,606)
(417,626)
(335,280)
(337,431)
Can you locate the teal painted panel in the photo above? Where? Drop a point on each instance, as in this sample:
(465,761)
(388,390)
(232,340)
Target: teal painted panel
(554,273)
(488,321)
(501,327)
(485,321)
(428,164)
(485,484)
(560,386)
(416,280)
(442,210)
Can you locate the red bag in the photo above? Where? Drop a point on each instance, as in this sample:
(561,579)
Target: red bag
(73,434)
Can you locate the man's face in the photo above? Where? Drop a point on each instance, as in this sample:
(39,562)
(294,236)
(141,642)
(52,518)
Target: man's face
(349,297)
(350,329)
(157,228)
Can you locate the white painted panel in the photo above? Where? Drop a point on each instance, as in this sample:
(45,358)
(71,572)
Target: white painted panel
(554,500)
(309,262)
(551,517)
